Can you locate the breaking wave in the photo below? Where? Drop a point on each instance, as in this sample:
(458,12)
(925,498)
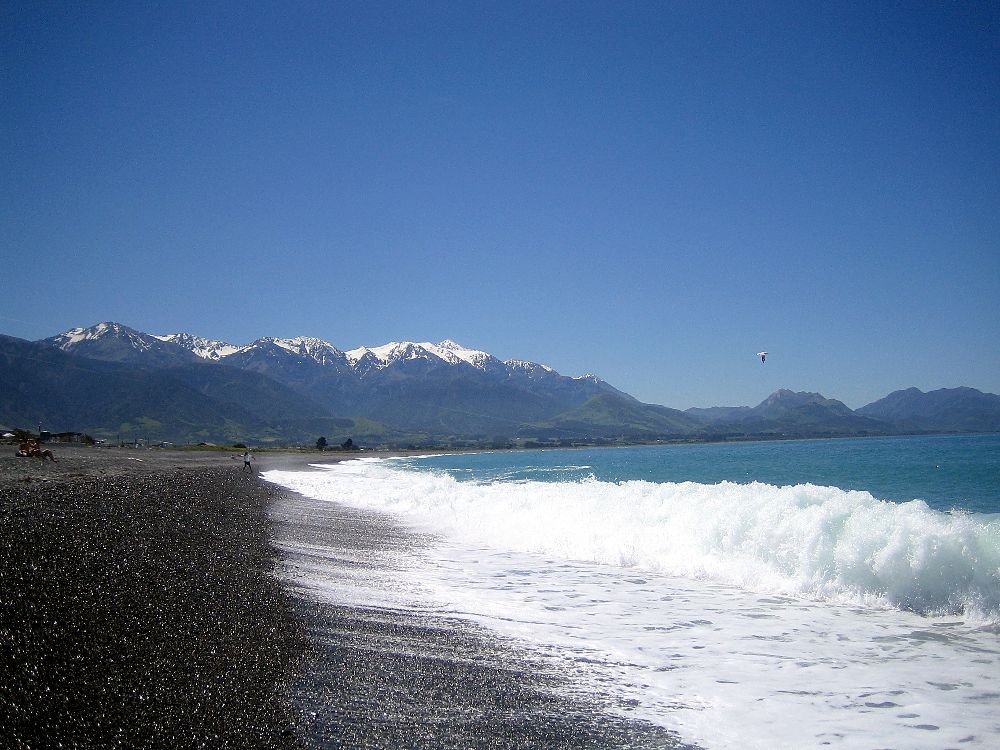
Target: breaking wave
(804,540)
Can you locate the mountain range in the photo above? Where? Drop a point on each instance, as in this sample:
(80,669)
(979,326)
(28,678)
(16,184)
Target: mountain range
(113,381)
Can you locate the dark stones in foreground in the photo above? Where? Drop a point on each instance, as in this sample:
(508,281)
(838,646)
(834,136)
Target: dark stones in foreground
(141,611)
(370,688)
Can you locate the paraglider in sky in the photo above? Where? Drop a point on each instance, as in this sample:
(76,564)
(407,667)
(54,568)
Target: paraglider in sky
(762,355)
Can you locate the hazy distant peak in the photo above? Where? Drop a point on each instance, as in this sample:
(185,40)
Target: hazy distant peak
(784,400)
(960,409)
(785,395)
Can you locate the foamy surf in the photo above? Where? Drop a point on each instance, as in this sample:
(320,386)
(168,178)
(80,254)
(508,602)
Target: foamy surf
(742,615)
(821,543)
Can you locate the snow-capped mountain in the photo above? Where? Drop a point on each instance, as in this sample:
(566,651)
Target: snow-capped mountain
(185,387)
(201,347)
(444,387)
(305,346)
(114,342)
(454,353)
(74,336)
(320,351)
(121,343)
(364,358)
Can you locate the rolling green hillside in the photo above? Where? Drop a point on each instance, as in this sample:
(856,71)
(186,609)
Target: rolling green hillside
(612,416)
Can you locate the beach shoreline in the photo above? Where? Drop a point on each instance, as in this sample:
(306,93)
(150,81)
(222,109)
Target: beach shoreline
(404,675)
(156,597)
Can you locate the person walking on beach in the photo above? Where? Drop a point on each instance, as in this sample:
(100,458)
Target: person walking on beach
(247,458)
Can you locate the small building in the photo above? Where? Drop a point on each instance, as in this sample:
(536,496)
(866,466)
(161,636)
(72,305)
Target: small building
(63,437)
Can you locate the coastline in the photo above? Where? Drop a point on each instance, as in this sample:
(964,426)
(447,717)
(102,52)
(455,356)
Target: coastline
(402,676)
(163,598)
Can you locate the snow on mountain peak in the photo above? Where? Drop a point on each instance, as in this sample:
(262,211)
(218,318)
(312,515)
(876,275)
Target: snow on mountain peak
(390,353)
(319,350)
(210,349)
(362,359)
(451,352)
(302,344)
(529,367)
(396,351)
(74,336)
(356,355)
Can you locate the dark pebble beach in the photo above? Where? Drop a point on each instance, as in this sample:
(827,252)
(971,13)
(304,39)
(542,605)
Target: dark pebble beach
(163,599)
(140,606)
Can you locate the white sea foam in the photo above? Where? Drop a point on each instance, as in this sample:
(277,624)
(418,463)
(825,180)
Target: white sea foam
(818,542)
(745,616)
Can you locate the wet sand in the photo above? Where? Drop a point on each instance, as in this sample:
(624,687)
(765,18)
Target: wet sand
(169,598)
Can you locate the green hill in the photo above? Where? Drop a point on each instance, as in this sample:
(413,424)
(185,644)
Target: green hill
(612,416)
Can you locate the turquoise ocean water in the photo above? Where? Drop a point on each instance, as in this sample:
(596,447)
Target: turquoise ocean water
(949,472)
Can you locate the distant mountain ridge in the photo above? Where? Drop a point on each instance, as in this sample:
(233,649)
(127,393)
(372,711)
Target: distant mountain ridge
(114,342)
(120,343)
(203,348)
(276,389)
(191,402)
(948,409)
(416,387)
(809,413)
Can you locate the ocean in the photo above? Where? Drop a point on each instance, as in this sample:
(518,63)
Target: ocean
(792,594)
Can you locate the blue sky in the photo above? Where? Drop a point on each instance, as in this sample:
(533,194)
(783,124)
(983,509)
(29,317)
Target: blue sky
(651,192)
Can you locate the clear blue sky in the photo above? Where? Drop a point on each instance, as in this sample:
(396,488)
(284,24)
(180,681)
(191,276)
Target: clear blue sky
(651,192)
